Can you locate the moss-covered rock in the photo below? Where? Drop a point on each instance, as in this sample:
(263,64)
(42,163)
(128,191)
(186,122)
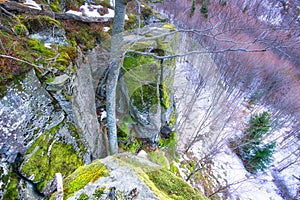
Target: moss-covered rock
(127,174)
(158,157)
(10,186)
(149,80)
(173,186)
(84,175)
(49,155)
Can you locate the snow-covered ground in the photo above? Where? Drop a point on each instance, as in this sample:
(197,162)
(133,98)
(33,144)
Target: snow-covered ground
(208,116)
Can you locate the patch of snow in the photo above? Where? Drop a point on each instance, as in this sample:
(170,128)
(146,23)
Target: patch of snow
(274,20)
(273,16)
(32,4)
(73,12)
(142,154)
(96,6)
(243,185)
(105,29)
(103,115)
(112,3)
(110,14)
(89,11)
(47,45)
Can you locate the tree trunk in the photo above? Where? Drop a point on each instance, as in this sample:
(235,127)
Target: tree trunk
(113,74)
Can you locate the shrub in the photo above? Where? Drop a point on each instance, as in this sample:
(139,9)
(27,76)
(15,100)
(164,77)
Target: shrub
(255,155)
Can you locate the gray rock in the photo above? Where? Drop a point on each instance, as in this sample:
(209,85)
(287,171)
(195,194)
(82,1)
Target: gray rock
(59,80)
(122,177)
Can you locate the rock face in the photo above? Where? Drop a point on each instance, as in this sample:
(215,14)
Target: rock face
(128,176)
(37,134)
(44,131)
(83,103)
(145,89)
(48,116)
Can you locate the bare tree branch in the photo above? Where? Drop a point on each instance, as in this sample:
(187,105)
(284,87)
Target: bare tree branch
(20,60)
(198,52)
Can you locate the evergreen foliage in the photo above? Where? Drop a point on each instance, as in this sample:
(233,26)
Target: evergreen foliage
(254,153)
(204,8)
(193,8)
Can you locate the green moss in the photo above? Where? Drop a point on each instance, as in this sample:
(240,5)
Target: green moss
(174,169)
(133,60)
(173,120)
(142,46)
(21,29)
(124,131)
(12,187)
(68,97)
(82,176)
(169,26)
(69,53)
(131,23)
(84,196)
(145,97)
(48,156)
(16,46)
(55,6)
(132,147)
(39,46)
(99,191)
(50,79)
(158,157)
(38,23)
(164,184)
(170,144)
(173,186)
(164,96)
(3,90)
(50,20)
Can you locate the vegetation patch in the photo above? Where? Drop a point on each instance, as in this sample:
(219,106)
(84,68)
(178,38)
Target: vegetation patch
(158,157)
(145,97)
(169,26)
(86,36)
(38,23)
(10,68)
(84,196)
(170,143)
(204,8)
(99,191)
(48,156)
(255,155)
(164,96)
(131,145)
(173,186)
(11,182)
(82,176)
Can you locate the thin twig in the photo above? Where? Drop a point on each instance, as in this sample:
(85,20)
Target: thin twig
(139,16)
(6,12)
(20,60)
(197,52)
